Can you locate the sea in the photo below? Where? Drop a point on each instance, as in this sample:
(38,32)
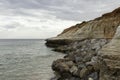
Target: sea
(26,59)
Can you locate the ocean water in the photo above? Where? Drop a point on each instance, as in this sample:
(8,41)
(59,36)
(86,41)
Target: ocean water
(26,60)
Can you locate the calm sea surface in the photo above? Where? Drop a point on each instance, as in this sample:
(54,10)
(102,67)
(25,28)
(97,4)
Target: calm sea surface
(26,60)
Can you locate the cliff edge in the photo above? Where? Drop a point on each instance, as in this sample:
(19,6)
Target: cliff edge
(92,49)
(110,59)
(102,27)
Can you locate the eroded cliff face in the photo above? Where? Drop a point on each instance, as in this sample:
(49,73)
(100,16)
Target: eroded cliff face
(92,49)
(102,27)
(110,59)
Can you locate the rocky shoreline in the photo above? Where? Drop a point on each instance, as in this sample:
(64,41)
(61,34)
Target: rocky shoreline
(81,61)
(92,49)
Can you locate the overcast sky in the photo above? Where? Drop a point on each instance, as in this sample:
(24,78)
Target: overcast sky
(47,18)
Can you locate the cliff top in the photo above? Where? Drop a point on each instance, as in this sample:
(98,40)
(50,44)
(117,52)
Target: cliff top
(101,27)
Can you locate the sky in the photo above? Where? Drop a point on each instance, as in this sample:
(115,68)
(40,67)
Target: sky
(41,19)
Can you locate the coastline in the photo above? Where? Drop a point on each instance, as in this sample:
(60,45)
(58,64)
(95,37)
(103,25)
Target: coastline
(86,56)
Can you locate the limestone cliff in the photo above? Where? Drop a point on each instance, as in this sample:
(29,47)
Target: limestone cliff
(92,49)
(110,59)
(102,27)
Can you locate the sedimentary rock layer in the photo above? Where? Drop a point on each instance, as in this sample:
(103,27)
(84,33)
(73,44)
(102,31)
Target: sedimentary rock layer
(102,27)
(92,49)
(110,59)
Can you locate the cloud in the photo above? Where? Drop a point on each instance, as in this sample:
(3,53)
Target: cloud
(33,18)
(63,9)
(32,26)
(12,25)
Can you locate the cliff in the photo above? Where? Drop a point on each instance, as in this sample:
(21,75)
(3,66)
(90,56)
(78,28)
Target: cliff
(92,49)
(110,59)
(102,27)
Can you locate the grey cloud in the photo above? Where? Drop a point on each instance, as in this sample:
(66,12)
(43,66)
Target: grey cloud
(9,26)
(31,18)
(12,25)
(63,9)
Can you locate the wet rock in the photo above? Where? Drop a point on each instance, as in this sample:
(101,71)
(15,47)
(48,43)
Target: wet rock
(78,59)
(94,76)
(83,72)
(90,79)
(81,65)
(60,66)
(96,46)
(94,62)
(54,42)
(70,63)
(75,78)
(74,70)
